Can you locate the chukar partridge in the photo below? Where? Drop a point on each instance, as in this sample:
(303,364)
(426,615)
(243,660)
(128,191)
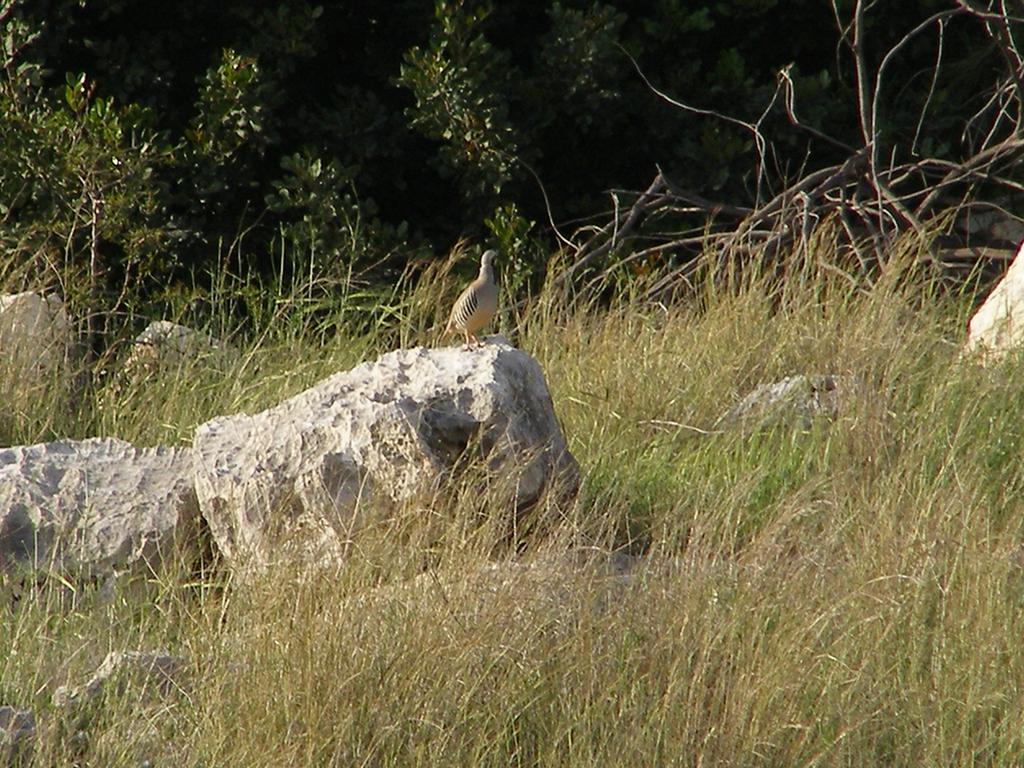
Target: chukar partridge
(477,304)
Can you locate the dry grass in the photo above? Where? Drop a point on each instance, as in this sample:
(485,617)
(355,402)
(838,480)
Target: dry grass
(845,595)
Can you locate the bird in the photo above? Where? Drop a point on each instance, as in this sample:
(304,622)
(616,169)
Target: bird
(477,304)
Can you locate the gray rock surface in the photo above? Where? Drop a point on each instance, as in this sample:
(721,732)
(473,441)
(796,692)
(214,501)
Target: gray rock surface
(160,672)
(35,337)
(319,465)
(92,506)
(163,345)
(998,324)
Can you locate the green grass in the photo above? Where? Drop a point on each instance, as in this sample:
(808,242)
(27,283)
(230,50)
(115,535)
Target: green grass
(850,594)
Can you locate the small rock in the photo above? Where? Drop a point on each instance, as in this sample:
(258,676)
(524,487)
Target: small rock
(160,669)
(16,725)
(164,345)
(795,400)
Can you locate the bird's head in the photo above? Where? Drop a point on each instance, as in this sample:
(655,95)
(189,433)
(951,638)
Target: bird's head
(487,260)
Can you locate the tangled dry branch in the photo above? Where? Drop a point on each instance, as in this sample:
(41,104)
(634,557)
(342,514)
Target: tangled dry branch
(870,197)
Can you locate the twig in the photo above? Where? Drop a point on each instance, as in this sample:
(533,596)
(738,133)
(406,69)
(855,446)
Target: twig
(635,212)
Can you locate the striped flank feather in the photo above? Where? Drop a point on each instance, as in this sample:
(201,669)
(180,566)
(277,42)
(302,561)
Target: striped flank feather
(477,304)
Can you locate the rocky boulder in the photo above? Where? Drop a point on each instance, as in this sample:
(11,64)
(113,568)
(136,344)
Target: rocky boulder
(92,506)
(998,325)
(318,466)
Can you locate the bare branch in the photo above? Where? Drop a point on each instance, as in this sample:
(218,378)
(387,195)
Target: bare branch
(867,126)
(931,86)
(789,100)
(544,193)
(616,228)
(753,128)
(879,191)
(942,17)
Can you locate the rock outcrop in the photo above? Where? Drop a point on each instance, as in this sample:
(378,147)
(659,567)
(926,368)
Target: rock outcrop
(319,465)
(309,472)
(92,506)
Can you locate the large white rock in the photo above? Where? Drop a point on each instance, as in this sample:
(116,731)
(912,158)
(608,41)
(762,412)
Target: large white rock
(35,336)
(317,466)
(998,325)
(92,506)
